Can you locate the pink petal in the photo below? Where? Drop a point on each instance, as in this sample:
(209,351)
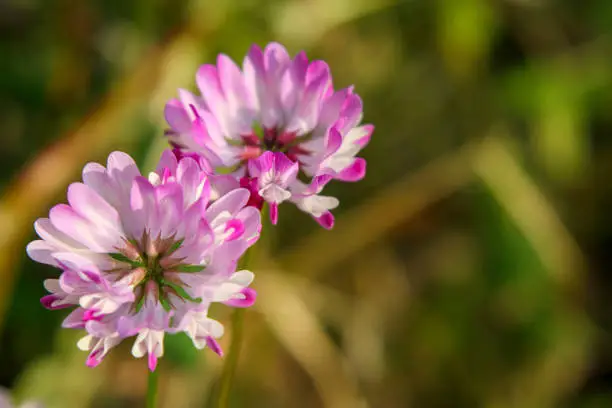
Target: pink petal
(122,169)
(292,82)
(193,181)
(214,346)
(169,199)
(352,111)
(74,320)
(326,220)
(191,105)
(49,302)
(262,164)
(41,251)
(363,141)
(92,359)
(96,177)
(354,172)
(232,82)
(45,229)
(152,361)
(87,203)
(65,219)
(317,184)
(330,110)
(276,58)
(176,116)
(248,299)
(333,142)
(232,202)
(237,228)
(207,79)
(144,208)
(251,220)
(273,213)
(167,161)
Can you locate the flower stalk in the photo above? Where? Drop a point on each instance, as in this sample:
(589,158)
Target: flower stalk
(249,260)
(151,401)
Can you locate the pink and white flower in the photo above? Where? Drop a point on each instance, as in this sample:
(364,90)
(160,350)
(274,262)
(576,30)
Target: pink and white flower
(145,256)
(277,104)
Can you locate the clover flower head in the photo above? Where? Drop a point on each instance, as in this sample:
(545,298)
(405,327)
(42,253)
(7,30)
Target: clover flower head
(145,256)
(274,111)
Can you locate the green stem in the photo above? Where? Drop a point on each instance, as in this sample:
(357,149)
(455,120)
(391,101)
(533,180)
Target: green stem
(152,390)
(231,360)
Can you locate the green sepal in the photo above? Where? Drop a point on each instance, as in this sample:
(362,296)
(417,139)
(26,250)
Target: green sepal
(180,291)
(118,256)
(189,268)
(174,247)
(165,304)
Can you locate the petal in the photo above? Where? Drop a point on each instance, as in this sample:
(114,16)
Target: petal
(286,168)
(333,141)
(87,203)
(169,199)
(192,179)
(144,208)
(214,346)
(306,113)
(292,82)
(330,110)
(167,161)
(251,220)
(262,164)
(242,278)
(176,116)
(42,251)
(326,220)
(231,202)
(191,104)
(246,298)
(236,227)
(273,213)
(122,169)
(354,172)
(66,220)
(351,113)
(274,194)
(231,81)
(96,177)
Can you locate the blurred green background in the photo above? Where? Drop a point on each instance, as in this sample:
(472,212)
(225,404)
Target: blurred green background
(470,268)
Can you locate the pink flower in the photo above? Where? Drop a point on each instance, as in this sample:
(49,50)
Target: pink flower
(274,104)
(145,256)
(274,173)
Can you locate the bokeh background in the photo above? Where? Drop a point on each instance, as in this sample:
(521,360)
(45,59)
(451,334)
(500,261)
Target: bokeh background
(470,268)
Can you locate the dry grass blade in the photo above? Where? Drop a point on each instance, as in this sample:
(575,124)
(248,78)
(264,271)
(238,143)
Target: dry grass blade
(377,217)
(299,331)
(530,210)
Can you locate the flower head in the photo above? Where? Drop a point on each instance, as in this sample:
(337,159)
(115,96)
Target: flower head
(144,256)
(276,106)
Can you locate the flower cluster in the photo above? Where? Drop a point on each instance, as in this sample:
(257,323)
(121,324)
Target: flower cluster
(276,119)
(142,256)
